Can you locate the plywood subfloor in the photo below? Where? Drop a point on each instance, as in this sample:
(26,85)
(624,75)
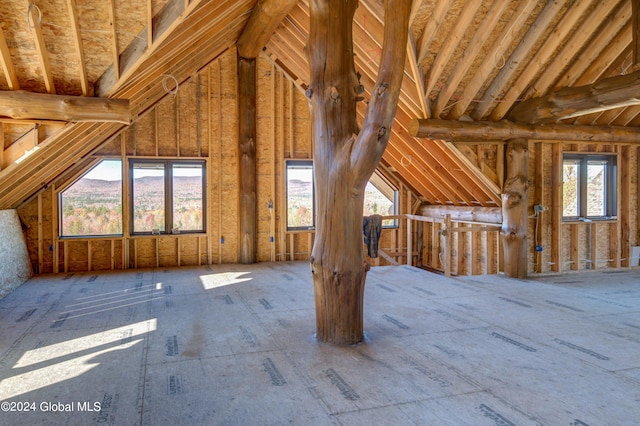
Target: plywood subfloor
(234,344)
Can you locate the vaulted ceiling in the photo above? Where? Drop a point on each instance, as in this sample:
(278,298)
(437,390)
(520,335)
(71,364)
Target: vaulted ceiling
(469,61)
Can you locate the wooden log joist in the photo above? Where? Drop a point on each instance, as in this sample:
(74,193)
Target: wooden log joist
(22,105)
(266,16)
(476,214)
(487,131)
(569,102)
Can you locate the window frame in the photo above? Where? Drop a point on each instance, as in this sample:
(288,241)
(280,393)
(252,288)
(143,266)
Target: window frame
(610,185)
(169,196)
(76,180)
(300,164)
(396,196)
(309,163)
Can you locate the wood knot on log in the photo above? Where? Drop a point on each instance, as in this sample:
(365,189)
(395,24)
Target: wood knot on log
(381,132)
(335,95)
(382,89)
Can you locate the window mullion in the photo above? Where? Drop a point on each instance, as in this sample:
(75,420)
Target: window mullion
(168,200)
(583,188)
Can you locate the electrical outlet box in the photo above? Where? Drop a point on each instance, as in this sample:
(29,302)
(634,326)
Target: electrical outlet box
(538,208)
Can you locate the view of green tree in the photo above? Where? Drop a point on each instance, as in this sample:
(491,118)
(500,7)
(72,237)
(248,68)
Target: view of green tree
(93,206)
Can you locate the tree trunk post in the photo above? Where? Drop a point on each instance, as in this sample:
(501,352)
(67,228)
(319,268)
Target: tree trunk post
(345,157)
(515,202)
(247,144)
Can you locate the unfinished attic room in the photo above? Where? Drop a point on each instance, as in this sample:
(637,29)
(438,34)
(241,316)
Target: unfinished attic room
(319,212)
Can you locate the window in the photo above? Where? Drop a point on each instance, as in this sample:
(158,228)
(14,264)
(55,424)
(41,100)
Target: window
(380,197)
(167,196)
(300,198)
(589,186)
(92,205)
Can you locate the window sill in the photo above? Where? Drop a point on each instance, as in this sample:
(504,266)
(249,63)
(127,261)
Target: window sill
(590,220)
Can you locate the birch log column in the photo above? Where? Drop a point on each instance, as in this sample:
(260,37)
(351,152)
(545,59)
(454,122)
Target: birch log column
(515,201)
(346,157)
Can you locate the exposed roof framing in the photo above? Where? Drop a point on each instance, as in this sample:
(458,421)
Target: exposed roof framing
(7,64)
(75,34)
(466,61)
(34,19)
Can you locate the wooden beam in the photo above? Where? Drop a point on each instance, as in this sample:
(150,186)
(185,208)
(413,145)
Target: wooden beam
(247,146)
(635,19)
(515,201)
(496,54)
(114,42)
(265,18)
(7,64)
(41,48)
(472,50)
(570,102)
(538,31)
(488,215)
(450,45)
(134,55)
(556,208)
(539,62)
(475,131)
(417,75)
(39,106)
(77,42)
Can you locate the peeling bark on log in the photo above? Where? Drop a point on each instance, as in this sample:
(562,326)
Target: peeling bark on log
(515,200)
(345,158)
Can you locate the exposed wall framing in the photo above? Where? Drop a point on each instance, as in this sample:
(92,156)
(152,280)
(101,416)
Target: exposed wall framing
(198,121)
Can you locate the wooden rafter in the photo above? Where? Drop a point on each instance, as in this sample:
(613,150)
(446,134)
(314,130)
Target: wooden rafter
(472,131)
(451,44)
(417,76)
(606,94)
(558,37)
(538,30)
(22,105)
(149,28)
(265,18)
(165,22)
(635,19)
(77,42)
(114,39)
(41,48)
(576,53)
(7,64)
(472,50)
(431,29)
(493,57)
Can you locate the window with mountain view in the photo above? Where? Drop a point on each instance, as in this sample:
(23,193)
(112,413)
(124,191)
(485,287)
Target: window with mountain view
(380,197)
(167,196)
(92,205)
(300,200)
(588,186)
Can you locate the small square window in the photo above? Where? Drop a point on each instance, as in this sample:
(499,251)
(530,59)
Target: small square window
(588,186)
